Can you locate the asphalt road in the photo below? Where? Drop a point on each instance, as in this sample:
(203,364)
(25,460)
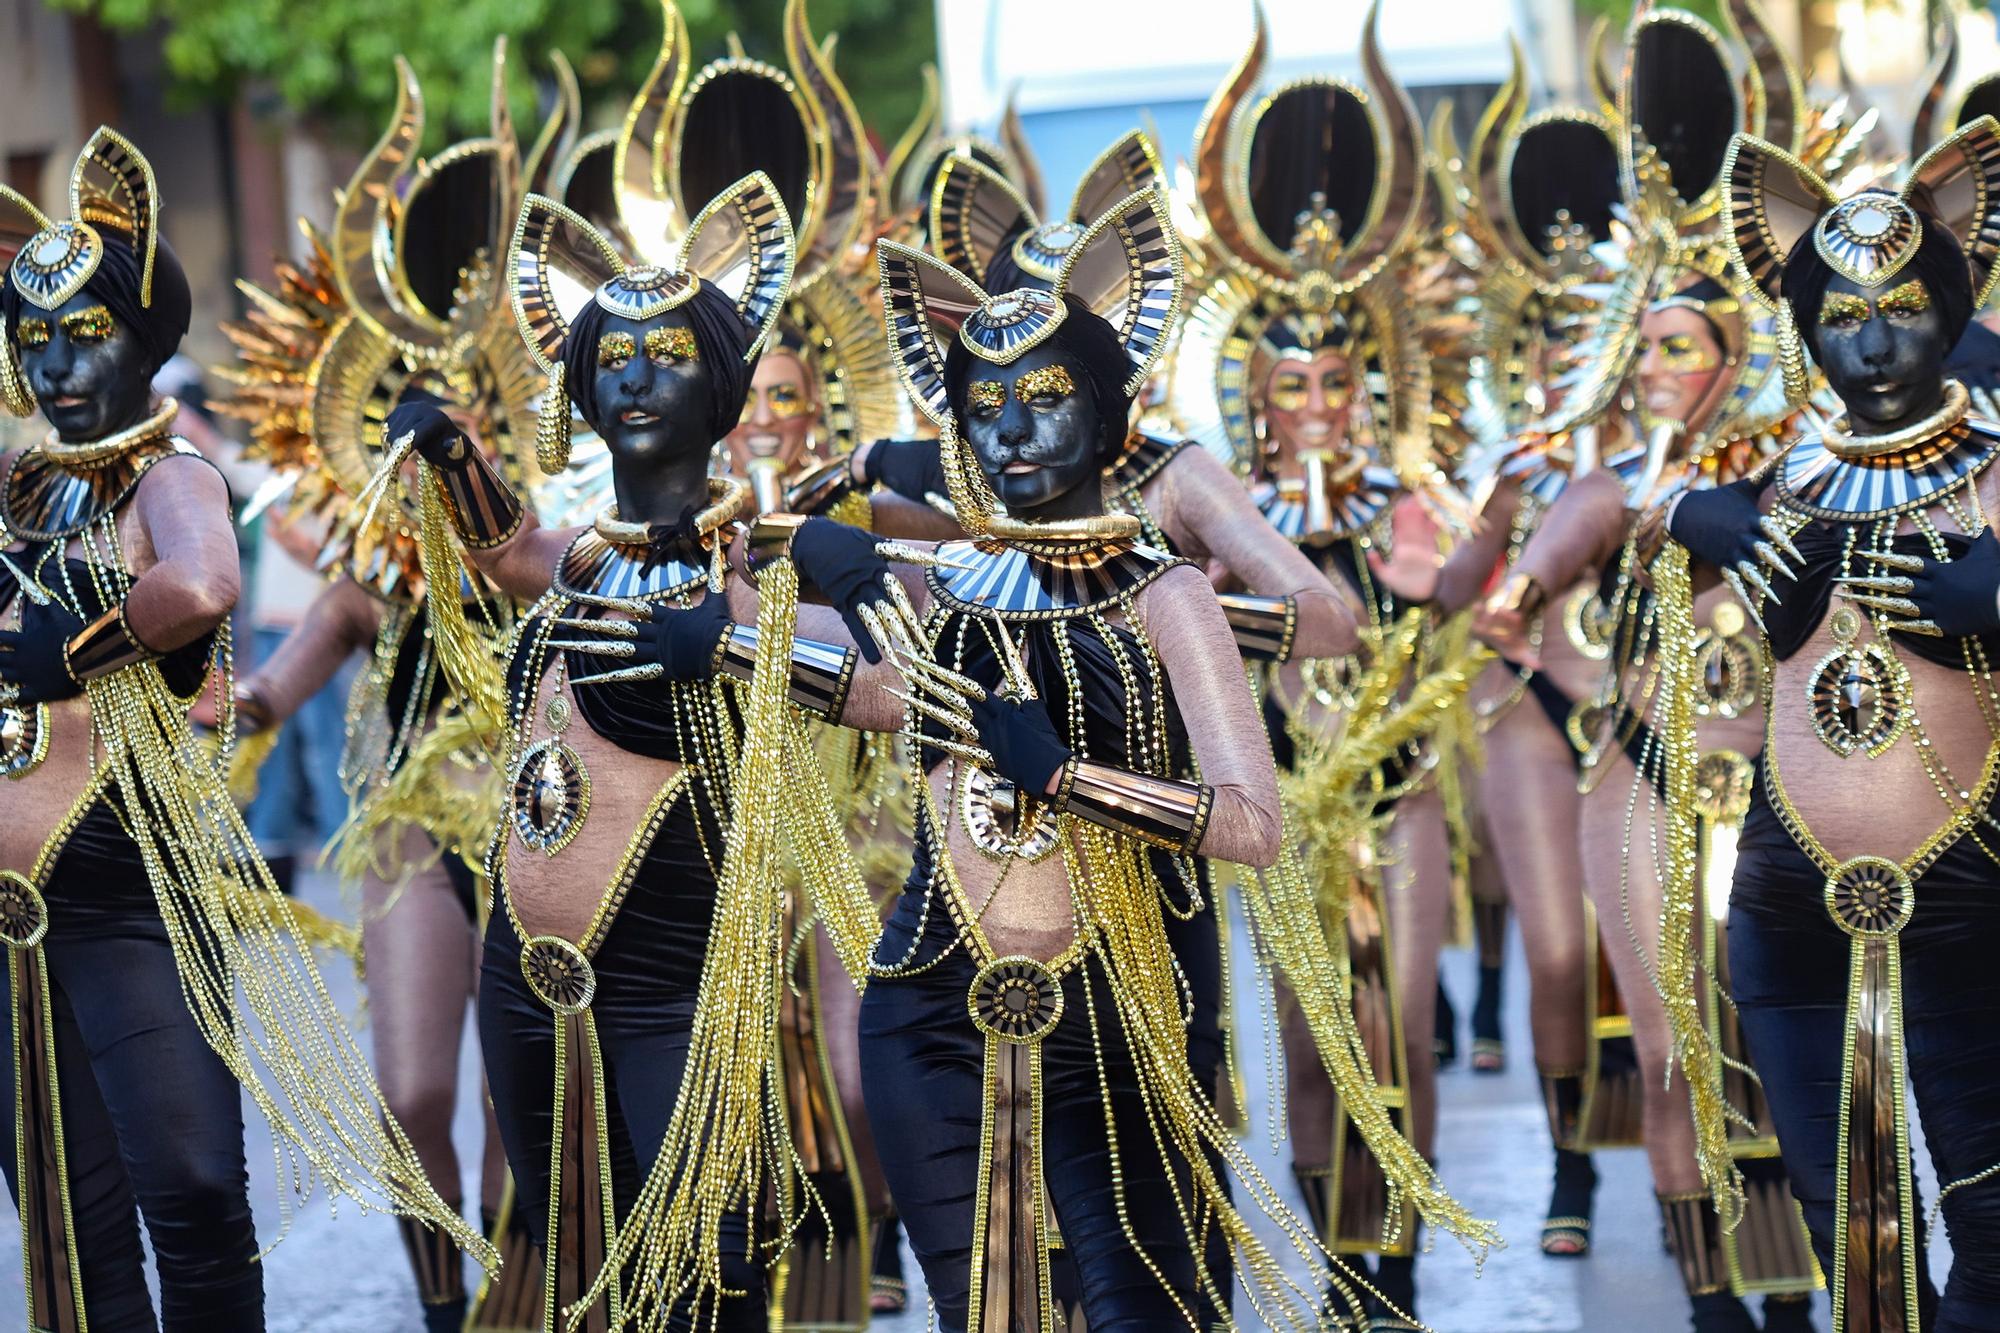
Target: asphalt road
(347,1273)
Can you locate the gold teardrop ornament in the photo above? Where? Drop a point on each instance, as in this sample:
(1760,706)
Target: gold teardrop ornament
(24,738)
(550,796)
(1728,678)
(1860,699)
(1002,825)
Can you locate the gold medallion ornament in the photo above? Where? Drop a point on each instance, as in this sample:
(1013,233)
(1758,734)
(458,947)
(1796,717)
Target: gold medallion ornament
(24,917)
(1722,786)
(1588,622)
(558,973)
(1870,897)
(1860,696)
(551,787)
(1003,825)
(24,738)
(1728,667)
(1015,999)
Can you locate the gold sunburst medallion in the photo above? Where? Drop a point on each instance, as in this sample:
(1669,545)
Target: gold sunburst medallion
(1870,896)
(558,973)
(1015,999)
(24,917)
(1722,786)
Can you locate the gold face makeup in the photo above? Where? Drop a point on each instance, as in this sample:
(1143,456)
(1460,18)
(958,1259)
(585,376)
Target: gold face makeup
(671,344)
(1683,354)
(786,402)
(1047,383)
(985,395)
(1289,391)
(93,325)
(1845,309)
(614,348)
(33,332)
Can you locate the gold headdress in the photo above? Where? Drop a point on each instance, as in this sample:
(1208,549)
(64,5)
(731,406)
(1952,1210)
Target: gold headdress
(1127,269)
(1979,98)
(409,291)
(110,186)
(974,210)
(1304,253)
(924,149)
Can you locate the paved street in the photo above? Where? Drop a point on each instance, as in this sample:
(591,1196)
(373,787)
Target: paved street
(347,1274)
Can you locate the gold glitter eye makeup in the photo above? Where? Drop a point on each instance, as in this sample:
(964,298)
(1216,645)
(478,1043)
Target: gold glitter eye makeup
(34,333)
(615,347)
(985,395)
(1684,354)
(1339,390)
(1843,308)
(1048,382)
(786,401)
(89,326)
(1912,298)
(671,344)
(1288,392)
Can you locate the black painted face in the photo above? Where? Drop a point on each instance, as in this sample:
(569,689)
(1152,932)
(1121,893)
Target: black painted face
(88,371)
(1034,426)
(1882,348)
(653,393)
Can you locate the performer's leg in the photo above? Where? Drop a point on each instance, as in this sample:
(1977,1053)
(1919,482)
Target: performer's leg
(417,940)
(921,1066)
(178,1118)
(103,1211)
(1951,1030)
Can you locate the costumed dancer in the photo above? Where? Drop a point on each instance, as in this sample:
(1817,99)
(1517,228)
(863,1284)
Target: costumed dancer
(152,962)
(1065,1099)
(324,357)
(1300,371)
(1677,327)
(1861,930)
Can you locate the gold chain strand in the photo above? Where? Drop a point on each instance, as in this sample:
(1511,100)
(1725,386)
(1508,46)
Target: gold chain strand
(467,657)
(1681,889)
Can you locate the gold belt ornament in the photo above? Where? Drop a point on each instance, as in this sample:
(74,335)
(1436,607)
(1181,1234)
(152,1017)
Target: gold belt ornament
(1016,1002)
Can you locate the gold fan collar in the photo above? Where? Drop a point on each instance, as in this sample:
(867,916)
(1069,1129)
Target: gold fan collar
(1841,444)
(97,453)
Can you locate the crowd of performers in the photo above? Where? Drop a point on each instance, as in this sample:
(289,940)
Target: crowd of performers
(836,635)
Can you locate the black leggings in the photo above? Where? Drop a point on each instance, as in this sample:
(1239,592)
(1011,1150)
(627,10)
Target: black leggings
(152,1125)
(1789,962)
(643,1029)
(922,1065)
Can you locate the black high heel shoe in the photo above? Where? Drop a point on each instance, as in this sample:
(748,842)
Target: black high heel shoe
(1566,1233)
(1790,1313)
(1489,1049)
(1394,1310)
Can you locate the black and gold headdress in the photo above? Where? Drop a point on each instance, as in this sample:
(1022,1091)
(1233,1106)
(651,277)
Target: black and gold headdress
(408,291)
(974,210)
(1309,194)
(1127,269)
(49,261)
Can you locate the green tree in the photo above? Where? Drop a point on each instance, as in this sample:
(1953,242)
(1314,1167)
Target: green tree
(331,58)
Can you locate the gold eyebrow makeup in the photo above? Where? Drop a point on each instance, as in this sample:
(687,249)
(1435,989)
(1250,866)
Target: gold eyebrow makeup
(618,346)
(985,395)
(1048,382)
(671,344)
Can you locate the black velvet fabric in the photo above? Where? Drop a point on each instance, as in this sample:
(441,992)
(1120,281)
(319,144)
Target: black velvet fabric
(1791,624)
(1789,968)
(152,1118)
(184,668)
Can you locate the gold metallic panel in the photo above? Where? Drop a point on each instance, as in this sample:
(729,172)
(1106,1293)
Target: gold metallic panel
(1264,626)
(105,645)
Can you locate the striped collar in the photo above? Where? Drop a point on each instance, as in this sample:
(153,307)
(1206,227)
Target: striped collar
(594,567)
(1814,480)
(1018,584)
(42,499)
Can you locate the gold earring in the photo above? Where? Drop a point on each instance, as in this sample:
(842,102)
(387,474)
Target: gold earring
(552,438)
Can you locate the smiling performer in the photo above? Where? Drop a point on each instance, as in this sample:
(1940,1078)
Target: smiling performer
(151,964)
(324,356)
(1862,920)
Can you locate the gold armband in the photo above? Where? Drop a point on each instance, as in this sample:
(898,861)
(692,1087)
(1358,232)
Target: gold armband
(1523,593)
(105,645)
(821,672)
(483,506)
(1264,626)
(1159,811)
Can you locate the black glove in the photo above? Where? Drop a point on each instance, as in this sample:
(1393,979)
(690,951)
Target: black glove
(1724,528)
(1960,597)
(685,642)
(1023,742)
(841,562)
(912,469)
(33,658)
(438,440)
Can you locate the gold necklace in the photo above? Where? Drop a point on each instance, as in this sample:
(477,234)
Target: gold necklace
(726,496)
(1065,531)
(1841,444)
(97,453)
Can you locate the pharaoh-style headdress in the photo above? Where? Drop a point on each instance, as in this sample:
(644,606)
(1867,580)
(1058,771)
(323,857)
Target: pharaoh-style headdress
(408,292)
(1126,269)
(111,187)
(684,139)
(1940,113)
(975,212)
(741,243)
(924,148)
(1309,195)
